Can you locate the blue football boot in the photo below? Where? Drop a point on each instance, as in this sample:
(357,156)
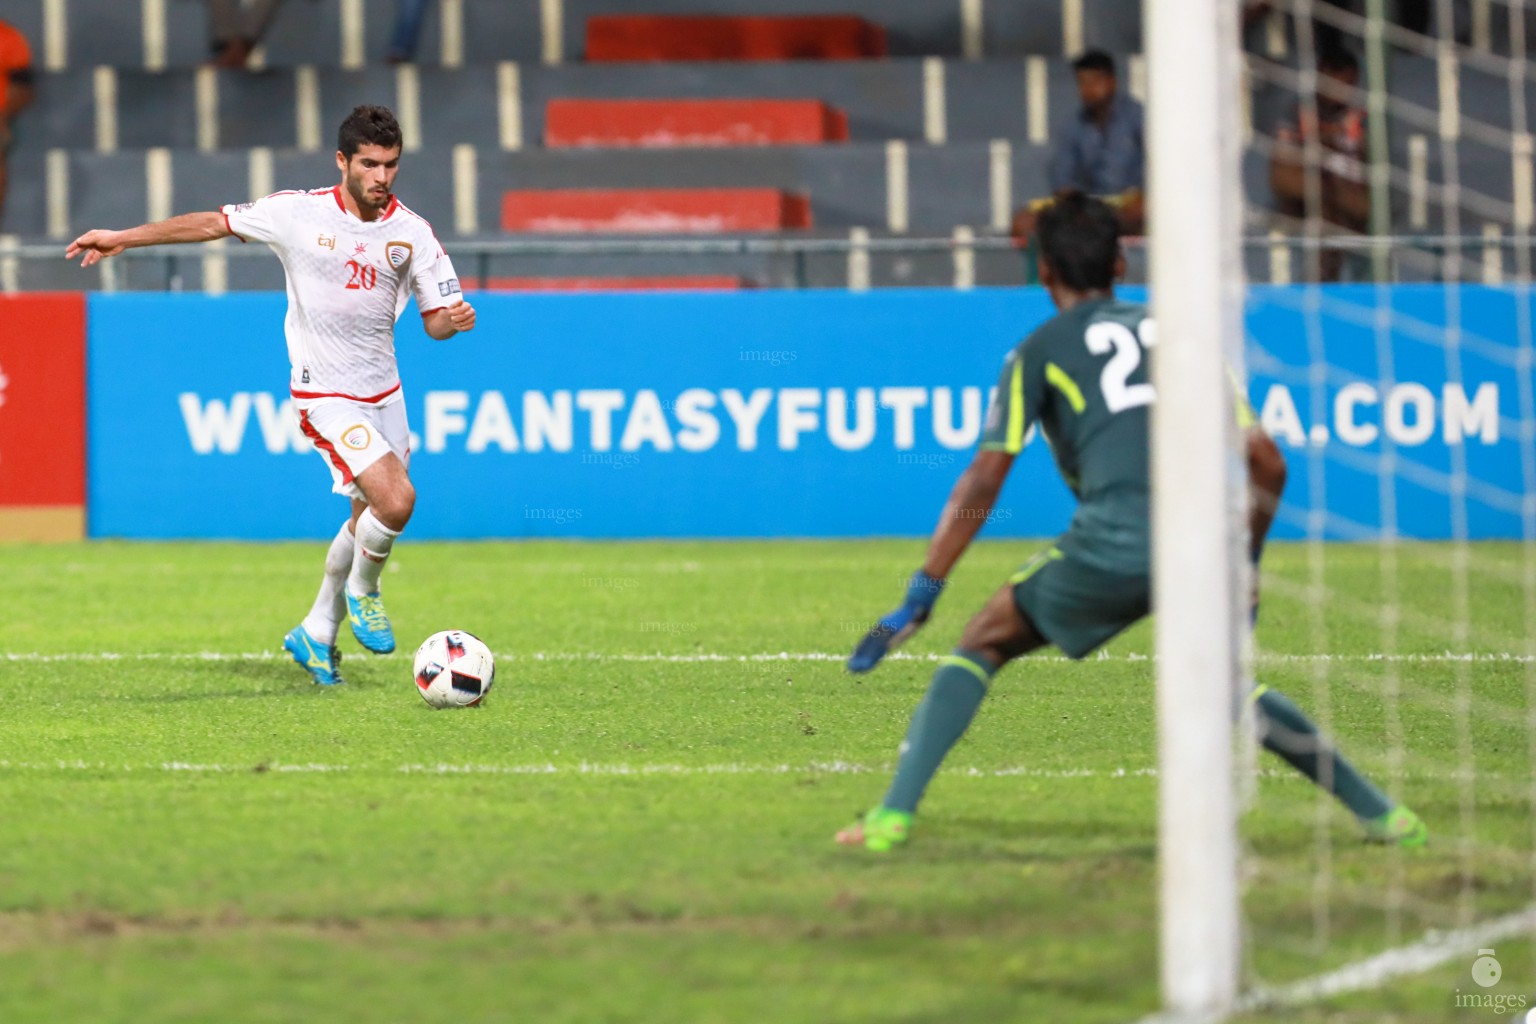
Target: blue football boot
(319,660)
(370,623)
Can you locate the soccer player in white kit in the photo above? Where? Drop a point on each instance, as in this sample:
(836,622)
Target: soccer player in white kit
(353,255)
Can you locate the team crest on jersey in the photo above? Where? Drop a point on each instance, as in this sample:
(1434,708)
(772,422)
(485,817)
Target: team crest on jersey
(398,253)
(356,437)
(326,241)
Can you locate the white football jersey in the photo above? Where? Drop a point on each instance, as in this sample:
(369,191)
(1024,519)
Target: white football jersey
(348,281)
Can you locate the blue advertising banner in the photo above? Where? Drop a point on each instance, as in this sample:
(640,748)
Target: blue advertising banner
(811,414)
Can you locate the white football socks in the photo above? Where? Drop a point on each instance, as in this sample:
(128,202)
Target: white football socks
(330,603)
(374,541)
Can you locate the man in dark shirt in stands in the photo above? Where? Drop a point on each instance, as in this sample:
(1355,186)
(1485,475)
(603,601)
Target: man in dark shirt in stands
(1337,127)
(1101,152)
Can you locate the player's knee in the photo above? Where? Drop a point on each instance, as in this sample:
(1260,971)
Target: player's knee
(394,508)
(990,634)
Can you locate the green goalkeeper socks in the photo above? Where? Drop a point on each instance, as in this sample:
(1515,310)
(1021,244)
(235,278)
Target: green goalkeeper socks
(937,724)
(1285,730)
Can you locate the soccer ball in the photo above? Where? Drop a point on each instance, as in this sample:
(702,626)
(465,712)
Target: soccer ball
(454,669)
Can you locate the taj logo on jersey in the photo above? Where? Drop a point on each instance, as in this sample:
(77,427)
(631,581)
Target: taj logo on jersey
(398,253)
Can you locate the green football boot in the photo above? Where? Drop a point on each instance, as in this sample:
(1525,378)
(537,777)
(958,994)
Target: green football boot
(880,830)
(1399,825)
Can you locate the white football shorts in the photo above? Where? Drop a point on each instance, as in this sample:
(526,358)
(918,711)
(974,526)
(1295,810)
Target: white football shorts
(351,436)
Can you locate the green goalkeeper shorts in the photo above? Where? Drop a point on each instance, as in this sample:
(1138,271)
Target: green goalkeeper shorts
(1077,606)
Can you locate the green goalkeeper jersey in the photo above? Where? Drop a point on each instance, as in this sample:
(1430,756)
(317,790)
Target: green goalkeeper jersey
(1082,377)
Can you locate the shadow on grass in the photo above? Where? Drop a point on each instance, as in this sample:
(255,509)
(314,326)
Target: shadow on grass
(250,680)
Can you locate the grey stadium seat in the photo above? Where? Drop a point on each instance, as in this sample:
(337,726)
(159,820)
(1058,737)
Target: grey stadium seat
(206,181)
(1113,25)
(459,105)
(63,116)
(340,91)
(106,190)
(492,33)
(305,32)
(949,185)
(155,109)
(26,203)
(103,32)
(257,109)
(1033,27)
(986,99)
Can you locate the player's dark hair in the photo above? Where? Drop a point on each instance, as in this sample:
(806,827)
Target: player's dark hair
(1095,60)
(1080,240)
(1337,58)
(368,125)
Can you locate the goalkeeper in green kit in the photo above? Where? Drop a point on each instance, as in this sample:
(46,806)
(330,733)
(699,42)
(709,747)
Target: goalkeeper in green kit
(1082,377)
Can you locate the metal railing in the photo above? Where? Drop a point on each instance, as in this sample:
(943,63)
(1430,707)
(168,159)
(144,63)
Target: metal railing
(857,261)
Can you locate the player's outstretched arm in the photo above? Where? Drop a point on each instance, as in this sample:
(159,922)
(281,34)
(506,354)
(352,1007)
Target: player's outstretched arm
(443,324)
(1266,482)
(969,506)
(96,245)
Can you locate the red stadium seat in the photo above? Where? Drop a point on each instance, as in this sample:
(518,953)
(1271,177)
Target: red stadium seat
(615,37)
(654,210)
(664,123)
(675,283)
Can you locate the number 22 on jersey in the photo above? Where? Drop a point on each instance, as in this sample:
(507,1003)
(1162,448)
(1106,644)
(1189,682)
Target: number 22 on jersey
(1106,337)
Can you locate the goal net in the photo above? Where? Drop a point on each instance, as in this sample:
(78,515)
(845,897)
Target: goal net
(1387,181)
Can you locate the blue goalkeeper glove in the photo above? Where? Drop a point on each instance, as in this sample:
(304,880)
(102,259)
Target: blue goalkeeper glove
(922,593)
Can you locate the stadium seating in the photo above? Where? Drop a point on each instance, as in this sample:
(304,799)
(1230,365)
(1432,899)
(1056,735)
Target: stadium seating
(485,31)
(932,141)
(882,99)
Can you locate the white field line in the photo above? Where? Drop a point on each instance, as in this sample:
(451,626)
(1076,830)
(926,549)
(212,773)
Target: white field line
(592,769)
(1443,657)
(584,768)
(1430,951)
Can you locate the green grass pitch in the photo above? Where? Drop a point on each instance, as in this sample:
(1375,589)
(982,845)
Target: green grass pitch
(637,825)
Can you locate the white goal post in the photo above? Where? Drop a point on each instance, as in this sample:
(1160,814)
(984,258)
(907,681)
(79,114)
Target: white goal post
(1195,207)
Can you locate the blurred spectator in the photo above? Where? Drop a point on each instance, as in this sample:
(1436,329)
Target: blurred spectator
(1101,152)
(15,90)
(1333,124)
(235,28)
(409,14)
